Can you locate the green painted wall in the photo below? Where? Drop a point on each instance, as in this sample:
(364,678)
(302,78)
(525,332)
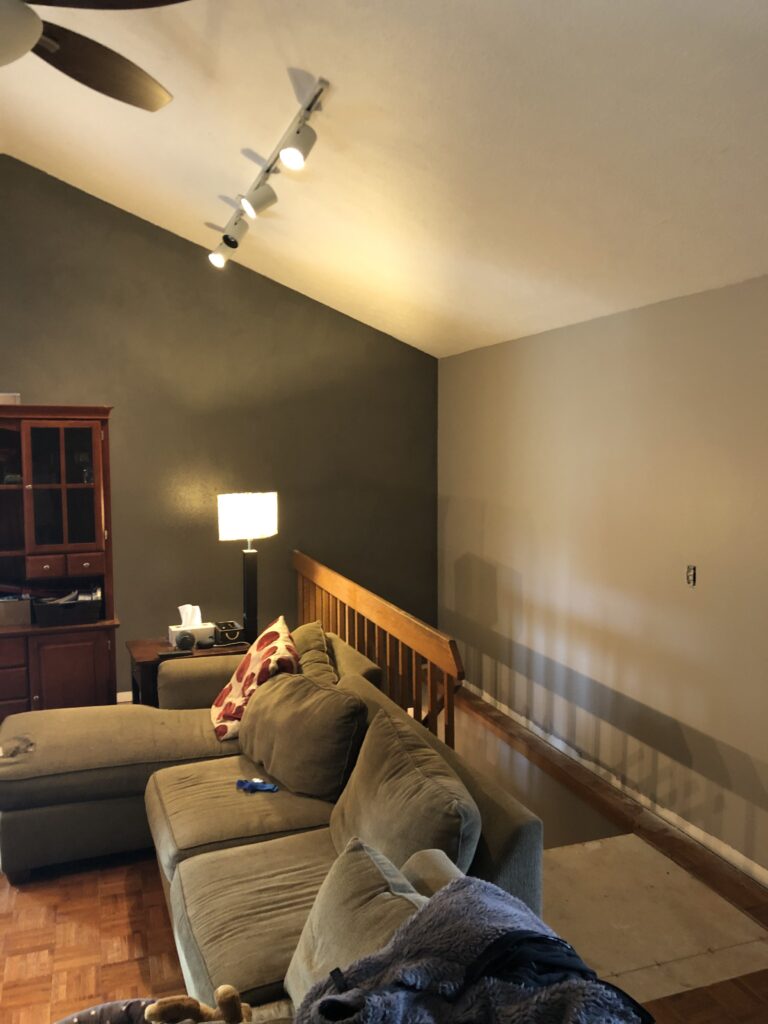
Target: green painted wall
(219,382)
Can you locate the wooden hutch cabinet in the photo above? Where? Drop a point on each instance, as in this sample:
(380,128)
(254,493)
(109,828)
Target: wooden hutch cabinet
(55,540)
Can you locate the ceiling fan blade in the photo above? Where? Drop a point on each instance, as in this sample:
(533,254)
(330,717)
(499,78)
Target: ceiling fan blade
(100,68)
(109,5)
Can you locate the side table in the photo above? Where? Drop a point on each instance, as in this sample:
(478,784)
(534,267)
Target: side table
(145,663)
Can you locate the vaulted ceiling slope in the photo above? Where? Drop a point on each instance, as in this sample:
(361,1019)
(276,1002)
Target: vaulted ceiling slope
(486,169)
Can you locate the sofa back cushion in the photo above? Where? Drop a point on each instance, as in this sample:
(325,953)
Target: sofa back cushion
(403,797)
(315,657)
(307,734)
(361,904)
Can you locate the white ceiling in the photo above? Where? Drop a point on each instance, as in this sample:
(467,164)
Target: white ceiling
(485,169)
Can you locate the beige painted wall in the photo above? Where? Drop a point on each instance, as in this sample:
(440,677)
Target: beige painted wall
(580,471)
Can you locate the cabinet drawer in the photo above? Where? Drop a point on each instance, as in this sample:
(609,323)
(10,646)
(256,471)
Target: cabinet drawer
(13,652)
(86,565)
(13,684)
(39,566)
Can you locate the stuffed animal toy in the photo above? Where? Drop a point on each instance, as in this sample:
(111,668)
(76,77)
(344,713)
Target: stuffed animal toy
(230,1009)
(171,1010)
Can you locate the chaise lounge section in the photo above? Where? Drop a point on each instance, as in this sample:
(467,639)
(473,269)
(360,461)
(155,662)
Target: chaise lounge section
(72,780)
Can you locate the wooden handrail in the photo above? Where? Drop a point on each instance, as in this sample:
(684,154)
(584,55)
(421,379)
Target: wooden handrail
(420,664)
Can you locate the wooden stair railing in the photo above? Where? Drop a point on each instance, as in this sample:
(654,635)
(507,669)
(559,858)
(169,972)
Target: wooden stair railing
(421,666)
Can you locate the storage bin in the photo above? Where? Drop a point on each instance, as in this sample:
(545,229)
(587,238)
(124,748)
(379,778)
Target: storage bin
(15,613)
(75,614)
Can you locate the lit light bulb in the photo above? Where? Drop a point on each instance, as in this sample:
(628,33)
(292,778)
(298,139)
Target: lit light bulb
(258,199)
(218,258)
(297,147)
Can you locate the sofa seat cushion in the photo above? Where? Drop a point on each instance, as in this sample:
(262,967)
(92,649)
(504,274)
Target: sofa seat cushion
(403,797)
(196,808)
(71,754)
(279,1012)
(238,913)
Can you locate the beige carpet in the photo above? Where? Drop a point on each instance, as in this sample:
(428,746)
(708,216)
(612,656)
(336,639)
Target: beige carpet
(644,923)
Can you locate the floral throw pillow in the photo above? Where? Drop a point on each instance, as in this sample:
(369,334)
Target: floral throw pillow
(272,652)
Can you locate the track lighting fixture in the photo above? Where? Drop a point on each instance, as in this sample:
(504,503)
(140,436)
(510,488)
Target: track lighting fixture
(234,233)
(292,151)
(297,146)
(220,256)
(257,199)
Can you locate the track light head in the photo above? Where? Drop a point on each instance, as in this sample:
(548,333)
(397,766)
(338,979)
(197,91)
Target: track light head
(235,231)
(258,199)
(219,257)
(21,30)
(297,146)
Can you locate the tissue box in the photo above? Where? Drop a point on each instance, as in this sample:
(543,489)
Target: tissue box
(202,632)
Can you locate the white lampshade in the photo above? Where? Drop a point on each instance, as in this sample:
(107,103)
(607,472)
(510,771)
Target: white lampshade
(247,516)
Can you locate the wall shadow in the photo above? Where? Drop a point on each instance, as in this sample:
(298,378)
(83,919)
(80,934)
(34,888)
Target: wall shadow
(478,583)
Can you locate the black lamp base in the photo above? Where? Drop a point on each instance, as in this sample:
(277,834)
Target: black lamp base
(250,596)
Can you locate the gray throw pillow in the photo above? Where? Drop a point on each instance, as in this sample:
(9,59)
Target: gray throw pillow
(360,905)
(306,734)
(403,797)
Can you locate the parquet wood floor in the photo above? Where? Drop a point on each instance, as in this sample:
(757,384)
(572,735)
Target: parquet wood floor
(69,939)
(73,938)
(738,1001)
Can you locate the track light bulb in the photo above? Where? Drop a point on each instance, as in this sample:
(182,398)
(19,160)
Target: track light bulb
(219,256)
(296,148)
(235,231)
(258,199)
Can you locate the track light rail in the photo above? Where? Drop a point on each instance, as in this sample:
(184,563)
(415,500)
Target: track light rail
(292,150)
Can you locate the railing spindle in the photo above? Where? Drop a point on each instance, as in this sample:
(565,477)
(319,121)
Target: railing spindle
(416,666)
(432,696)
(448,726)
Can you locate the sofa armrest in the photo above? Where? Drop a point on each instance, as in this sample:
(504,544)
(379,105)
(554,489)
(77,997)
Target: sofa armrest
(350,662)
(194,682)
(511,844)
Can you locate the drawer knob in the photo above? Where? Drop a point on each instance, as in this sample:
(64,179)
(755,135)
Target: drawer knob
(86,565)
(35,699)
(46,566)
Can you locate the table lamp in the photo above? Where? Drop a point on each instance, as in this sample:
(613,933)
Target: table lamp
(248,517)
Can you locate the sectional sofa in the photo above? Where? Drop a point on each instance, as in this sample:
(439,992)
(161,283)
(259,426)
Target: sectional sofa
(242,871)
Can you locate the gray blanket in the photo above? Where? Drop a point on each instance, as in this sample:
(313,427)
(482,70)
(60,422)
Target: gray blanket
(426,973)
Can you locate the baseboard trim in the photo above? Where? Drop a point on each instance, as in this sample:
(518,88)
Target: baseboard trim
(736,878)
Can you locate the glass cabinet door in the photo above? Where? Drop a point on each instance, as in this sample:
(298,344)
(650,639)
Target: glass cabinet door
(62,486)
(11,500)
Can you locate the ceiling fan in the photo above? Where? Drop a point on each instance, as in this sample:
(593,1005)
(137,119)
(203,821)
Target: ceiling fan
(22,30)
